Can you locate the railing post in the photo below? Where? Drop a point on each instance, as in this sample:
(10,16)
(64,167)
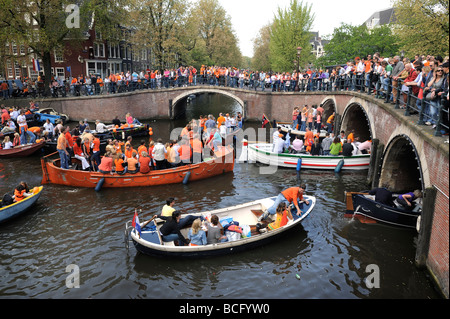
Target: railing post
(422,108)
(389,90)
(408,101)
(397,102)
(438,132)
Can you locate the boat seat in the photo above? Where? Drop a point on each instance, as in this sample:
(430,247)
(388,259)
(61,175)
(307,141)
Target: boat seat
(257,212)
(169,243)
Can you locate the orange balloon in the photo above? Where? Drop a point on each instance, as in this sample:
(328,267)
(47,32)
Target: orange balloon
(117,126)
(151,133)
(131,125)
(114,130)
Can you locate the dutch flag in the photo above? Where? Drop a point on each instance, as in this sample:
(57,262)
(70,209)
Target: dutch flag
(136,223)
(36,66)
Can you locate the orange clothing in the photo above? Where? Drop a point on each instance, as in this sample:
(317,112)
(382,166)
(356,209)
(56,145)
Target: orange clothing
(118,163)
(220,121)
(197,145)
(144,165)
(330,119)
(18,195)
(185,152)
(129,152)
(62,142)
(5,117)
(106,164)
(292,194)
(309,135)
(96,144)
(77,150)
(350,138)
(142,148)
(132,164)
(69,139)
(35,129)
(118,147)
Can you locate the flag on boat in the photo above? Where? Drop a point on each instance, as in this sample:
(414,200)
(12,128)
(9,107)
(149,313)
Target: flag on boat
(265,120)
(136,223)
(36,66)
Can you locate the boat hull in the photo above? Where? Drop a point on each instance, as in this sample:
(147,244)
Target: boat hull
(22,150)
(151,246)
(52,173)
(16,209)
(262,153)
(390,215)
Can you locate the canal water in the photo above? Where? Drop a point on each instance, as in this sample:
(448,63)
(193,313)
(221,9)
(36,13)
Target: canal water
(328,256)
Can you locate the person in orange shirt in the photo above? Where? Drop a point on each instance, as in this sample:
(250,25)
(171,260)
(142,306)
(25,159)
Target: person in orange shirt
(144,163)
(289,196)
(95,158)
(185,152)
(142,148)
(132,163)
(220,120)
(197,149)
(119,164)
(118,146)
(129,151)
(21,191)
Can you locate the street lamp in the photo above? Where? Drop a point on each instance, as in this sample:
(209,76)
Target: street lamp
(299,50)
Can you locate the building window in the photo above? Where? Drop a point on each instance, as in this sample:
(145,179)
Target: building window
(14,49)
(9,69)
(99,50)
(58,56)
(60,73)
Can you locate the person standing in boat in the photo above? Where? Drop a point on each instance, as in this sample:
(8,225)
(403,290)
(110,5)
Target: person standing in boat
(289,196)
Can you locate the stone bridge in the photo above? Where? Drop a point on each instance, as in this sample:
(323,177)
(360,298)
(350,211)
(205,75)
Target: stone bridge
(405,155)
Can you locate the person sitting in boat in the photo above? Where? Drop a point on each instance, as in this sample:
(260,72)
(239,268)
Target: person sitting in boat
(7,144)
(16,139)
(383,195)
(133,164)
(144,163)
(131,120)
(49,128)
(21,191)
(116,122)
(316,147)
(100,127)
(365,147)
(289,196)
(196,235)
(170,231)
(80,155)
(215,231)
(297,145)
(9,127)
(168,210)
(336,146)
(105,166)
(281,218)
(326,143)
(406,201)
(120,165)
(347,148)
(158,154)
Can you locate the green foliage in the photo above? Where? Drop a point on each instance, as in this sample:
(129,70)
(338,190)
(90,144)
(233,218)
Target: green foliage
(291,29)
(349,41)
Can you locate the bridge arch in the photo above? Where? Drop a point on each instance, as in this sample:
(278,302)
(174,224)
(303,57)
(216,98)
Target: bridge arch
(329,106)
(185,94)
(404,166)
(351,120)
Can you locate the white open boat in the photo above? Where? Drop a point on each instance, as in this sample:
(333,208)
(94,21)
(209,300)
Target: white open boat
(149,241)
(285,127)
(262,153)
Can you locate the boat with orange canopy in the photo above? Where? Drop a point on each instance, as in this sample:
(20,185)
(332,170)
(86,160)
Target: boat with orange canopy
(222,162)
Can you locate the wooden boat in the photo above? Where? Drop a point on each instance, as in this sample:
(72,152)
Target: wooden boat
(364,204)
(263,153)
(286,127)
(21,150)
(150,242)
(123,131)
(223,162)
(18,208)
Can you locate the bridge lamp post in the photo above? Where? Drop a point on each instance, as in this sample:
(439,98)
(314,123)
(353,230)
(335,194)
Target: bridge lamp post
(299,51)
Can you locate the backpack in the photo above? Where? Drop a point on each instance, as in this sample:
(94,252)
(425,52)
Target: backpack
(7,200)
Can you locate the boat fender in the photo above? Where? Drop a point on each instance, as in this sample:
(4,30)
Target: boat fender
(123,135)
(186,178)
(99,184)
(339,166)
(299,164)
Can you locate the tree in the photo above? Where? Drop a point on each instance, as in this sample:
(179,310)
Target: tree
(348,42)
(43,26)
(261,49)
(423,26)
(215,33)
(291,29)
(158,25)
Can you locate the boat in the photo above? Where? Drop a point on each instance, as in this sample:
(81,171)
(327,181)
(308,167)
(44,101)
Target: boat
(21,150)
(360,203)
(16,209)
(222,162)
(48,113)
(50,145)
(149,240)
(123,131)
(262,153)
(286,127)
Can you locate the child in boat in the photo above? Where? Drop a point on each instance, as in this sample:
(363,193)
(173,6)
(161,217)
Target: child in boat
(215,231)
(21,191)
(7,144)
(281,218)
(197,235)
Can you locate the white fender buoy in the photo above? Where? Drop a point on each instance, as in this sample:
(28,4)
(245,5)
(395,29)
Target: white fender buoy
(243,158)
